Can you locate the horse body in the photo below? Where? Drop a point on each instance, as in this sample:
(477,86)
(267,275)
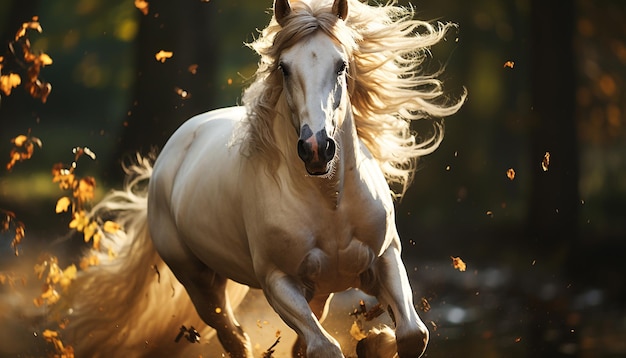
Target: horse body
(230,211)
(290,192)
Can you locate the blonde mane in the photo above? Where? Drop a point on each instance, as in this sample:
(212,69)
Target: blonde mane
(386,86)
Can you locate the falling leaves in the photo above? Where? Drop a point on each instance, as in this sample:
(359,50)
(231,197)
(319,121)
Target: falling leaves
(163,55)
(356,330)
(458,263)
(82,193)
(61,350)
(54,278)
(509,64)
(23,149)
(27,61)
(424,305)
(510,173)
(143,6)
(63,204)
(9,82)
(9,221)
(545,162)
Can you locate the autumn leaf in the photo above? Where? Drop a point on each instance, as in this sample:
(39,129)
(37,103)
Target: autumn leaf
(24,148)
(33,25)
(8,82)
(80,221)
(111,227)
(163,55)
(65,177)
(68,275)
(510,174)
(88,261)
(509,64)
(143,6)
(545,163)
(84,192)
(356,331)
(458,264)
(63,204)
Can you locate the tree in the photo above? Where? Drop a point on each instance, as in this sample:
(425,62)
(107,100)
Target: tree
(170,90)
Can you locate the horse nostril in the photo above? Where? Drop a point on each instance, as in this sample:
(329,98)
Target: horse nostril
(330,148)
(302,152)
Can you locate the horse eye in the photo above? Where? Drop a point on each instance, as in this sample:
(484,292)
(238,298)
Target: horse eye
(283,68)
(341,68)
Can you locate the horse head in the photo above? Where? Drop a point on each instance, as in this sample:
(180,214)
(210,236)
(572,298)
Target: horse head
(314,84)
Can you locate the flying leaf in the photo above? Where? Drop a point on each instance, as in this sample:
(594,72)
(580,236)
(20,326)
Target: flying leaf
(63,204)
(111,227)
(356,331)
(509,64)
(545,163)
(8,82)
(510,173)
(143,6)
(85,190)
(163,55)
(458,264)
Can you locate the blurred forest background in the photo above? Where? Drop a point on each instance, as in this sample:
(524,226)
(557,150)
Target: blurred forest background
(544,243)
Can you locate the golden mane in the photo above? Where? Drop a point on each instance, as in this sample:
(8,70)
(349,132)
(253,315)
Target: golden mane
(386,86)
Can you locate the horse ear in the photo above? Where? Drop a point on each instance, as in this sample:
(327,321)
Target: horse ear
(340,8)
(281,10)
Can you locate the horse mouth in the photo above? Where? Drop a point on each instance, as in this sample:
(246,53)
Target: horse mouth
(319,169)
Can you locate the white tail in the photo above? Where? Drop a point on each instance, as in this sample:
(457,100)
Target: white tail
(130,304)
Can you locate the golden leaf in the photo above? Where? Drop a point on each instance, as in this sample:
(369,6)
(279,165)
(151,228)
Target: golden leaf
(111,227)
(44,59)
(143,6)
(90,230)
(8,82)
(509,64)
(356,332)
(85,190)
(80,221)
(49,334)
(163,55)
(63,204)
(510,173)
(458,264)
(68,275)
(96,240)
(88,261)
(65,177)
(545,163)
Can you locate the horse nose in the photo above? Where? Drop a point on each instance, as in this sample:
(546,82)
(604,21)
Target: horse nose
(317,149)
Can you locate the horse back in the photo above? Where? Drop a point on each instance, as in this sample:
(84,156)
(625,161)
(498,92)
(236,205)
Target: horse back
(196,187)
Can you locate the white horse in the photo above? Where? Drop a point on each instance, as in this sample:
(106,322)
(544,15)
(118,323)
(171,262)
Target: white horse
(289,193)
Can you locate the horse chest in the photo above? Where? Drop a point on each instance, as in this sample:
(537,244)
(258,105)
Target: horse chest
(331,249)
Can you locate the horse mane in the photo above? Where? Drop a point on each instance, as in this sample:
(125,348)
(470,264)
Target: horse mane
(386,86)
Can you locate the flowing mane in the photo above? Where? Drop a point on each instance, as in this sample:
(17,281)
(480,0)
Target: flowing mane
(387,88)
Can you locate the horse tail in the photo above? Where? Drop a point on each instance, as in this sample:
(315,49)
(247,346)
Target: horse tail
(129,303)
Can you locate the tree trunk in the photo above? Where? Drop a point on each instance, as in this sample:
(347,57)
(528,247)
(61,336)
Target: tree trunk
(170,91)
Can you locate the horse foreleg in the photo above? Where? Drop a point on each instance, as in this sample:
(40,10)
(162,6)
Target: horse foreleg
(391,286)
(319,306)
(286,296)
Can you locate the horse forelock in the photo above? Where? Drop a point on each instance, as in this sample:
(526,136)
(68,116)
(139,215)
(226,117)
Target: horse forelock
(386,86)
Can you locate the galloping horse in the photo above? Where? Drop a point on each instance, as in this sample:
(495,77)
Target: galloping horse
(289,193)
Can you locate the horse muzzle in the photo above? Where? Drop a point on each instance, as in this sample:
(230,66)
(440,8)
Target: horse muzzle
(316,150)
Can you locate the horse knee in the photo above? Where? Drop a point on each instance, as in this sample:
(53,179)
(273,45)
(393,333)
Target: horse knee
(412,343)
